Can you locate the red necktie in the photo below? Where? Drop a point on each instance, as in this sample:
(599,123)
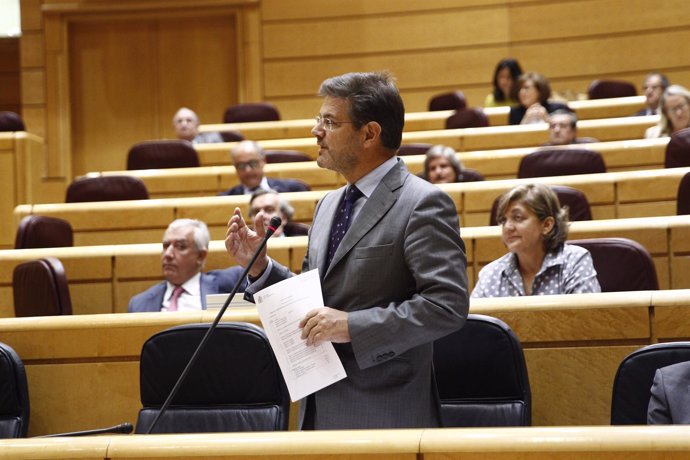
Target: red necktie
(173,300)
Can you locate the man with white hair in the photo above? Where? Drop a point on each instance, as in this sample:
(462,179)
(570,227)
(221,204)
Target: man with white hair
(185,247)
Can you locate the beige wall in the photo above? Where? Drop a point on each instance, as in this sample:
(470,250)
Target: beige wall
(99,75)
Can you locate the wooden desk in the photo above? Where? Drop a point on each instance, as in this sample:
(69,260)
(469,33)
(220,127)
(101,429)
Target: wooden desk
(493,164)
(611,195)
(424,121)
(492,137)
(83,370)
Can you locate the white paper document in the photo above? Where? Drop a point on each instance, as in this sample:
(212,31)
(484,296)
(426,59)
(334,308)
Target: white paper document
(306,369)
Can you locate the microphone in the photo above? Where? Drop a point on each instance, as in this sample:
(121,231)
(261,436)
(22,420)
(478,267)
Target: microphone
(122,428)
(272,227)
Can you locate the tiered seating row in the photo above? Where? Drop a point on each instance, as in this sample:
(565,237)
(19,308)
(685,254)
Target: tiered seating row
(611,195)
(103,278)
(492,164)
(83,370)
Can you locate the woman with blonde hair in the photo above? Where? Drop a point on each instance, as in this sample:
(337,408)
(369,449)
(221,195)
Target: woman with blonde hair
(674,107)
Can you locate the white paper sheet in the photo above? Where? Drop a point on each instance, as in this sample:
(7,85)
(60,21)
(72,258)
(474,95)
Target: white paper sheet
(306,369)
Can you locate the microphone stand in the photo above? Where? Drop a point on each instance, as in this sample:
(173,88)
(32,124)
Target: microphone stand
(275,223)
(122,428)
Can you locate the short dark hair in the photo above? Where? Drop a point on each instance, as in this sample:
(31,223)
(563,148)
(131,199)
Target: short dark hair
(543,202)
(372,96)
(515,71)
(569,113)
(540,82)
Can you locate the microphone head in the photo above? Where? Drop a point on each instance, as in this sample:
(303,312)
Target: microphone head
(273,225)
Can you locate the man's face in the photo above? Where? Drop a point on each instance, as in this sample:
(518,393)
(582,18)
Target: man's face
(269,203)
(561,131)
(180,259)
(186,124)
(652,91)
(249,165)
(340,143)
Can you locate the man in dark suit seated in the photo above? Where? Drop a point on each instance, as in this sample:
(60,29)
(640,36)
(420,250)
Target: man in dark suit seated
(249,160)
(670,401)
(563,129)
(653,87)
(185,247)
(272,204)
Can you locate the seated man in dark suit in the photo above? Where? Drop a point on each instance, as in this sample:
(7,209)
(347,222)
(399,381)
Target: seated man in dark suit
(249,160)
(563,129)
(670,401)
(653,87)
(272,204)
(185,247)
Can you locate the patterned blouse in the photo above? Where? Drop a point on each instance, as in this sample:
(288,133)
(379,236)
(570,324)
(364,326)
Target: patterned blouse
(567,271)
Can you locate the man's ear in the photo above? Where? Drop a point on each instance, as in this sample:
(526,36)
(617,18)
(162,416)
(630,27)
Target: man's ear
(202,258)
(372,131)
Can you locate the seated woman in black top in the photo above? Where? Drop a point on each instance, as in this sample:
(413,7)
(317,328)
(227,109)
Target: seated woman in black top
(533,95)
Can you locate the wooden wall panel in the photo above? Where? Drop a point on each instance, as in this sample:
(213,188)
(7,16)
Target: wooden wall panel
(129,77)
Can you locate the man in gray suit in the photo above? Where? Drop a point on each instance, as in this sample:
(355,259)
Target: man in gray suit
(396,281)
(670,401)
(185,246)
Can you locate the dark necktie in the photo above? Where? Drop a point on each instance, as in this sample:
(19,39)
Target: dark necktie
(342,220)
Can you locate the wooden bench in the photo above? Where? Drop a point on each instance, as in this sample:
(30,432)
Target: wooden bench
(492,137)
(83,370)
(492,164)
(102,279)
(611,195)
(425,121)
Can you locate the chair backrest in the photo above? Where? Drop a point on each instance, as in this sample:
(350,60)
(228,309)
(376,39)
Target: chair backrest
(555,162)
(235,385)
(231,136)
(413,149)
(251,111)
(453,100)
(678,150)
(14,395)
(471,175)
(683,203)
(285,156)
(162,155)
(10,121)
(574,199)
(621,264)
(296,229)
(602,89)
(467,118)
(106,188)
(40,288)
(481,376)
(43,232)
(634,378)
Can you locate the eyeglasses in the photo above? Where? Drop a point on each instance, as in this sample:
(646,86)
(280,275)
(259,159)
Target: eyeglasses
(328,124)
(251,164)
(679,108)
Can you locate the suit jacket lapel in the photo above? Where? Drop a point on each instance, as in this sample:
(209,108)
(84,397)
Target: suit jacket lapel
(378,204)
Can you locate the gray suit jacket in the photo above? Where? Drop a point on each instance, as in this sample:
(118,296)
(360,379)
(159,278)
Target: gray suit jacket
(670,401)
(213,282)
(400,274)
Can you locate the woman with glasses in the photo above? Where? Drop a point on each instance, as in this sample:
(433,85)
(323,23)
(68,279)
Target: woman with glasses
(534,228)
(675,112)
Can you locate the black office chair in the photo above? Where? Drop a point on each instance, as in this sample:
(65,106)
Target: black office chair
(481,376)
(162,155)
(560,162)
(14,395)
(602,89)
(43,232)
(40,288)
(413,149)
(286,156)
(106,188)
(251,111)
(683,203)
(467,118)
(634,378)
(11,121)
(452,100)
(622,264)
(235,385)
(677,154)
(574,199)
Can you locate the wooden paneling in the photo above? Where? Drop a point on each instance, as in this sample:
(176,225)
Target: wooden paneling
(129,77)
